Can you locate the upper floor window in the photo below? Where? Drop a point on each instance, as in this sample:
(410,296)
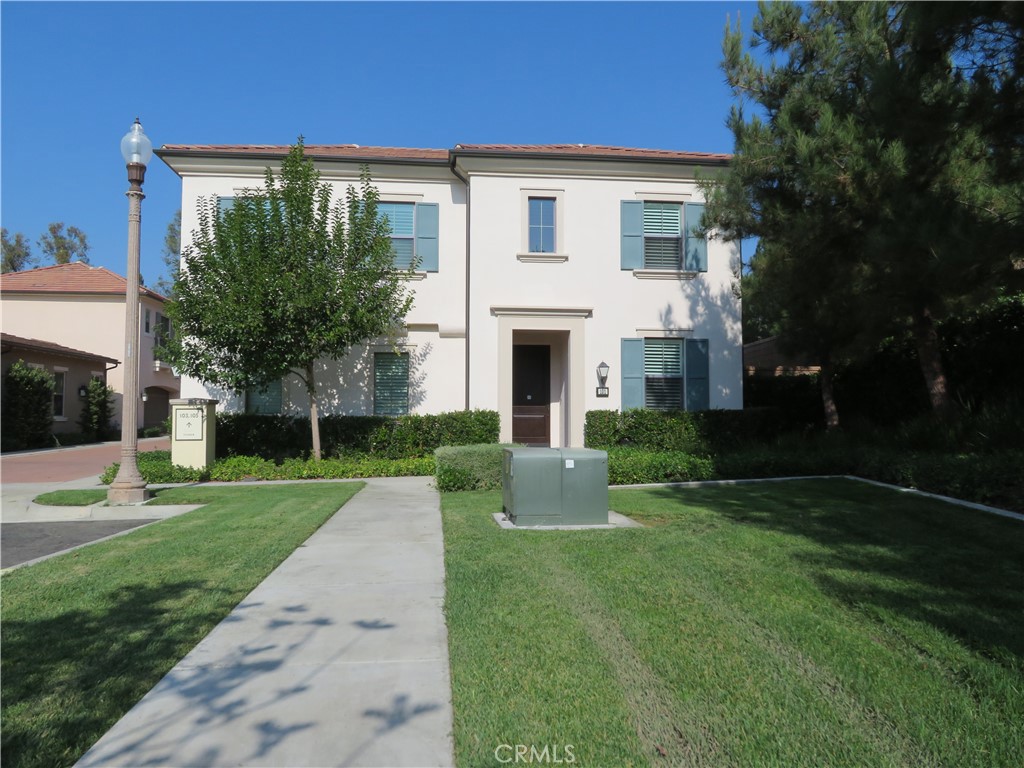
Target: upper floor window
(542,224)
(659,235)
(414,233)
(147,321)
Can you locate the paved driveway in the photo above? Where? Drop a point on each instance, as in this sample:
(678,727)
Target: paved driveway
(29,531)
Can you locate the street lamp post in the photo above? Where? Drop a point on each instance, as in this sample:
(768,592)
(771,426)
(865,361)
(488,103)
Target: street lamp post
(129,487)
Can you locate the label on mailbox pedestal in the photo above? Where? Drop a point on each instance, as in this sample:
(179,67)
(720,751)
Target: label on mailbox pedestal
(188,424)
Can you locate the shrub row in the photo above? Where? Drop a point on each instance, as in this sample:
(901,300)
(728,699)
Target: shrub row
(701,432)
(156,468)
(282,437)
(469,467)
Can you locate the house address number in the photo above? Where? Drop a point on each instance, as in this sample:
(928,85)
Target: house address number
(188,424)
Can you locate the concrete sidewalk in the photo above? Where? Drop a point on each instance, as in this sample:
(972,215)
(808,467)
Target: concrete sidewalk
(339,658)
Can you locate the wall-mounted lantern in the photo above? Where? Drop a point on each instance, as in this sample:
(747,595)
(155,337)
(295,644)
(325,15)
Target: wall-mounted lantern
(83,391)
(602,377)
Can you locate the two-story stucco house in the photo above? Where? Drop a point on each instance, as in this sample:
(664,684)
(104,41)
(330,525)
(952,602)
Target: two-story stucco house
(535,266)
(82,307)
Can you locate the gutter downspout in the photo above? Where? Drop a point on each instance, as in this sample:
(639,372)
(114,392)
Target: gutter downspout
(465,181)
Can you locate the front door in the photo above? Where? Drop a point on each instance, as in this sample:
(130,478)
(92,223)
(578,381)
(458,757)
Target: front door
(531,394)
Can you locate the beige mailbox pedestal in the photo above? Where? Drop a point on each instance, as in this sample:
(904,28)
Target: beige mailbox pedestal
(193,432)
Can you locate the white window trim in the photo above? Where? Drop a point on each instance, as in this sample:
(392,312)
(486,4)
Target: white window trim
(525,254)
(664,274)
(664,197)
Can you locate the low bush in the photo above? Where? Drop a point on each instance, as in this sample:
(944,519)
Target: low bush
(97,411)
(156,467)
(469,467)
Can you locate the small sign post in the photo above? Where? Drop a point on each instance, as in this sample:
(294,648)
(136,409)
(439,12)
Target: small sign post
(193,432)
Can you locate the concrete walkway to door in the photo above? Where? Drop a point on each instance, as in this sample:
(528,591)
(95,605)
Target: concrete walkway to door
(340,657)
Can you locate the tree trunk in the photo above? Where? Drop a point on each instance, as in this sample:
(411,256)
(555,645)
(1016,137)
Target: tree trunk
(828,399)
(926,340)
(314,415)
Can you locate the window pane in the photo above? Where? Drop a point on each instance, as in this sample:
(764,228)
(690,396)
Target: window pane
(267,400)
(663,219)
(390,384)
(663,252)
(663,393)
(403,250)
(58,393)
(548,240)
(663,357)
(542,225)
(400,217)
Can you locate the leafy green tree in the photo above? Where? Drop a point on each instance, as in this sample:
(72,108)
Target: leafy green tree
(866,176)
(27,407)
(171,255)
(97,410)
(17,255)
(283,279)
(65,246)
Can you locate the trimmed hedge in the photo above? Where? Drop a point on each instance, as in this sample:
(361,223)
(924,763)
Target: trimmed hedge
(630,466)
(413,436)
(469,467)
(700,433)
(156,468)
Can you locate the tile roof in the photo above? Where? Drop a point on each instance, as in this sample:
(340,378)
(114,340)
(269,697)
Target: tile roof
(315,150)
(74,277)
(49,346)
(407,153)
(592,150)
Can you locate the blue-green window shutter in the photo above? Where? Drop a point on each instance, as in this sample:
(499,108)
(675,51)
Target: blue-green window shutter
(265,401)
(426,236)
(632,235)
(698,391)
(696,259)
(632,364)
(390,384)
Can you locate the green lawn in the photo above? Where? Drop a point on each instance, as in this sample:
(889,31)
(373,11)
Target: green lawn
(87,634)
(814,623)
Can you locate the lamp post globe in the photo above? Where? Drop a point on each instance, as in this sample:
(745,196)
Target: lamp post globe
(129,487)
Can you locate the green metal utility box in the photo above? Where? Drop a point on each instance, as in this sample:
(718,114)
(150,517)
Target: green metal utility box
(555,486)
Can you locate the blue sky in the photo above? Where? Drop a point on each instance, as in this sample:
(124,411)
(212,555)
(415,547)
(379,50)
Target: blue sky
(75,76)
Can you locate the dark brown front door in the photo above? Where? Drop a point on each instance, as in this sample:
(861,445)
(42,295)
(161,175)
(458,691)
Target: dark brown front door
(531,394)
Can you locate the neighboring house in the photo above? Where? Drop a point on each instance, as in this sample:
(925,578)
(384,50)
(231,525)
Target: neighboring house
(72,370)
(535,265)
(764,358)
(82,307)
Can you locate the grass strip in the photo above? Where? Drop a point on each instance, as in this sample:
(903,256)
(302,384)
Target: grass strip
(809,623)
(87,634)
(84,497)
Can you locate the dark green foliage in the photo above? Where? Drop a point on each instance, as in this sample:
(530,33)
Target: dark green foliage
(630,466)
(698,433)
(97,408)
(63,246)
(156,468)
(17,253)
(27,408)
(796,399)
(469,467)
(280,437)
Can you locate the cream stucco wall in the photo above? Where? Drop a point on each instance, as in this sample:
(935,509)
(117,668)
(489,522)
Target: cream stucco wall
(435,327)
(587,278)
(91,323)
(470,312)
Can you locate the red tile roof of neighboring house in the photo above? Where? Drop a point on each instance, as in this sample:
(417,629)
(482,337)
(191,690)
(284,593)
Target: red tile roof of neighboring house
(7,339)
(407,153)
(74,277)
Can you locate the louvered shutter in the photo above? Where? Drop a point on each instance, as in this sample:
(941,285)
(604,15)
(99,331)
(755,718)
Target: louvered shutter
(631,215)
(663,374)
(662,235)
(698,391)
(632,365)
(426,236)
(390,384)
(696,247)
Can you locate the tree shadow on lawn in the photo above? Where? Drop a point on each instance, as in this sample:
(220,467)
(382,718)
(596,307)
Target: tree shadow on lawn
(69,678)
(956,569)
